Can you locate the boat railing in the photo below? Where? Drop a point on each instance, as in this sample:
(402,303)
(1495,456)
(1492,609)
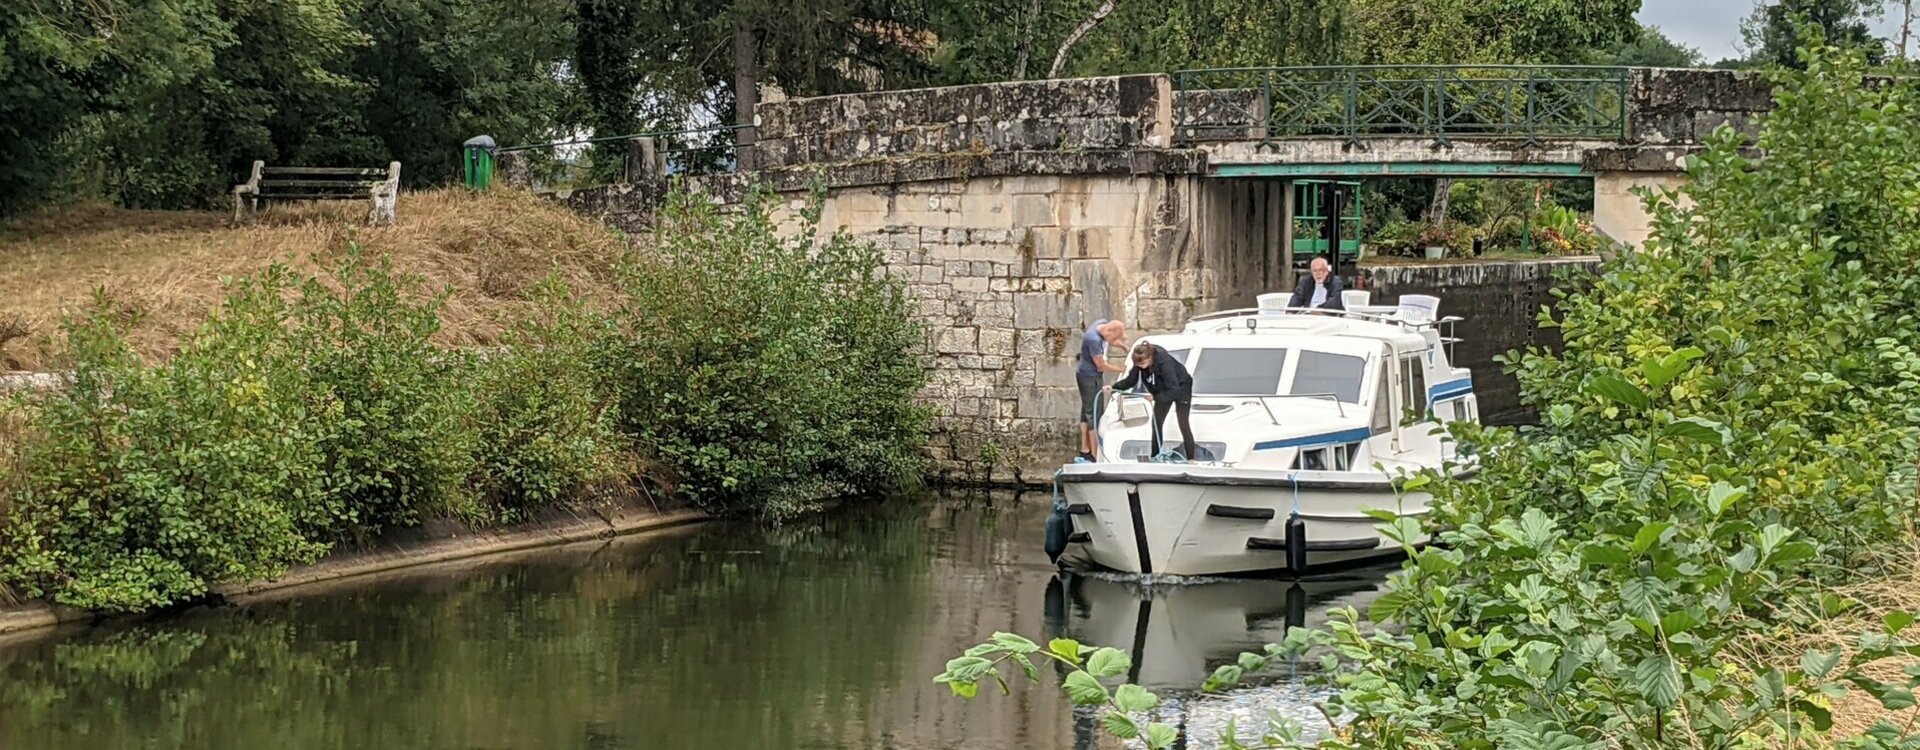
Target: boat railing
(1120,400)
(1389,316)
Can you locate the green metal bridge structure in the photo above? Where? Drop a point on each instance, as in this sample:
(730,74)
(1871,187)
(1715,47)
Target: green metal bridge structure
(1324,128)
(1443,107)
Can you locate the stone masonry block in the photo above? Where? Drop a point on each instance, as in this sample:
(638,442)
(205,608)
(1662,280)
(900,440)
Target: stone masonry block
(955,340)
(997,341)
(1033,211)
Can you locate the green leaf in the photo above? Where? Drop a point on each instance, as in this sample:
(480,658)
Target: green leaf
(1226,676)
(964,689)
(1792,552)
(1896,621)
(1596,553)
(1657,680)
(968,668)
(1663,370)
(1819,716)
(1014,643)
(1120,725)
(1649,535)
(1134,699)
(1026,665)
(1615,388)
(1108,662)
(1388,607)
(1818,664)
(1698,430)
(1564,670)
(1677,622)
(1722,496)
(1160,736)
(1083,690)
(1065,648)
(1252,662)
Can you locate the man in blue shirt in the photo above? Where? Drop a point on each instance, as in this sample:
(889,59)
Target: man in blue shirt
(1093,362)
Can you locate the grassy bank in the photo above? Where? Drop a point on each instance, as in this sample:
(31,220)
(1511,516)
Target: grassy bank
(244,399)
(489,249)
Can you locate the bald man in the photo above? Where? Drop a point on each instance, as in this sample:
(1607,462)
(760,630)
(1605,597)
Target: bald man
(1319,290)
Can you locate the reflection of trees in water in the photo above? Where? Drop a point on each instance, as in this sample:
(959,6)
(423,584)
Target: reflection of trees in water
(680,644)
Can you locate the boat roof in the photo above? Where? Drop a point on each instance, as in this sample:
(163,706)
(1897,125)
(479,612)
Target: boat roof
(1330,332)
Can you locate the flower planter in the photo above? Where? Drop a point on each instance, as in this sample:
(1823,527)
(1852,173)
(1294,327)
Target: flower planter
(1436,253)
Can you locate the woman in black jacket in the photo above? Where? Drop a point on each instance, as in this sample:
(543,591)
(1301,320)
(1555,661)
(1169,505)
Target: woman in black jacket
(1169,386)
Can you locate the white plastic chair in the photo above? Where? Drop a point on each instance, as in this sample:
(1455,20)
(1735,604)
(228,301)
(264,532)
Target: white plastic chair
(1353,299)
(1418,308)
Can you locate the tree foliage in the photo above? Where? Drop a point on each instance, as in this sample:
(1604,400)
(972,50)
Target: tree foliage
(1773,32)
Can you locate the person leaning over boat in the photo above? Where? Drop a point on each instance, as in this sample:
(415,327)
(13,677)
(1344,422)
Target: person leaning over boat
(1169,387)
(1093,362)
(1319,290)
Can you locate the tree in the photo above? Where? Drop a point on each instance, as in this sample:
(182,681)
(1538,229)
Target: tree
(1772,33)
(1649,47)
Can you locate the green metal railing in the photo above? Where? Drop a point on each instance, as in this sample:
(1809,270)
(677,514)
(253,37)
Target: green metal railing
(587,162)
(1441,102)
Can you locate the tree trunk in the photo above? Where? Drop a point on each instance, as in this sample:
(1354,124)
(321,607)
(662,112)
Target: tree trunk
(1060,58)
(1906,27)
(1026,40)
(1442,194)
(746,91)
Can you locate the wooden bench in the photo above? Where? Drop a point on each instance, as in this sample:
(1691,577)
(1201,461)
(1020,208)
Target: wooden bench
(382,186)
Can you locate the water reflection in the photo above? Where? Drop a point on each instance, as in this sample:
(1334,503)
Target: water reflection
(815,635)
(1178,633)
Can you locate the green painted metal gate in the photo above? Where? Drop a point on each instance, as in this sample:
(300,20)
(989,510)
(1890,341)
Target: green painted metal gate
(1312,204)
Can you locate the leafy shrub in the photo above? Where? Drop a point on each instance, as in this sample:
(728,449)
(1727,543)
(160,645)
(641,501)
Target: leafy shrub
(767,372)
(143,485)
(545,434)
(398,447)
(1733,415)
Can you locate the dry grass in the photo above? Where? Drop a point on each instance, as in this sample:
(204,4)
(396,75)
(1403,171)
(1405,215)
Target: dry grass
(1857,711)
(487,248)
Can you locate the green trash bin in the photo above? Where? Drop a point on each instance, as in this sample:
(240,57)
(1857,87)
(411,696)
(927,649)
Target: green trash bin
(477,161)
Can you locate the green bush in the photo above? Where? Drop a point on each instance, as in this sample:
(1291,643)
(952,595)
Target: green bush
(767,372)
(142,485)
(398,446)
(545,434)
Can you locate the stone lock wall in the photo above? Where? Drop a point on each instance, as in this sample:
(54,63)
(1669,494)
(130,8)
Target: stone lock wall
(1006,274)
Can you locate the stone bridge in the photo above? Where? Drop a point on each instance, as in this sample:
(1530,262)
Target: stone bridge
(1019,212)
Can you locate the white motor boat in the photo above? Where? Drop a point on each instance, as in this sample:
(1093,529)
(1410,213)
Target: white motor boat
(1302,420)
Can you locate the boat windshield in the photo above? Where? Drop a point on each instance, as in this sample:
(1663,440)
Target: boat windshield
(1239,372)
(1325,372)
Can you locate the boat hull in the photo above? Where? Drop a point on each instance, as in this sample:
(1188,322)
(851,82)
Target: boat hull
(1191,521)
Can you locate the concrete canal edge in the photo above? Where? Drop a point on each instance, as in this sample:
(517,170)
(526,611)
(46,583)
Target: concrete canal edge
(434,542)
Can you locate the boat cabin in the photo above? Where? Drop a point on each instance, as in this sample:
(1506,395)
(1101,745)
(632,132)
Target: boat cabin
(1308,391)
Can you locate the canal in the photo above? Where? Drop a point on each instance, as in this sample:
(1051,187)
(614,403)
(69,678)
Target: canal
(819,634)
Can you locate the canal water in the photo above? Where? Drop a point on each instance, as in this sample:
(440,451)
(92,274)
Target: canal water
(819,634)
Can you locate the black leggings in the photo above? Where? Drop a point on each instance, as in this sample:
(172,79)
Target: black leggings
(1160,407)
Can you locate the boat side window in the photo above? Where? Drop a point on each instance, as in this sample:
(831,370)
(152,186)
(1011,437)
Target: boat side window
(1383,404)
(1323,372)
(1239,372)
(1179,355)
(1415,405)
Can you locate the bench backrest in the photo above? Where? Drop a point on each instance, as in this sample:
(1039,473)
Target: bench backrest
(320,183)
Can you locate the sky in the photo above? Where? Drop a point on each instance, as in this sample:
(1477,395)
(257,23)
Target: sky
(1713,26)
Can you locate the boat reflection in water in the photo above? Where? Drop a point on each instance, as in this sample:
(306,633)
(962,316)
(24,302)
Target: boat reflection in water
(1177,633)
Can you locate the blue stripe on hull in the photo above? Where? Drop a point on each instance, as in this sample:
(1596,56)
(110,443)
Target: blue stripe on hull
(1331,438)
(1450,390)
